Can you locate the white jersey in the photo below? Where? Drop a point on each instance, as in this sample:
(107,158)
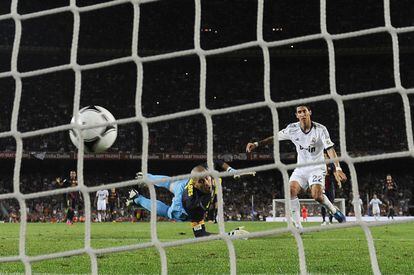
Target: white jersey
(102,195)
(375,203)
(309,145)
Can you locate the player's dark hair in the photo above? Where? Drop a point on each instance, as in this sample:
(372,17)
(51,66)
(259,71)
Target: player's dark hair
(303,105)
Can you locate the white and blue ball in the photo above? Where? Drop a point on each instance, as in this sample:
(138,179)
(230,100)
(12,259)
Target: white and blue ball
(97,139)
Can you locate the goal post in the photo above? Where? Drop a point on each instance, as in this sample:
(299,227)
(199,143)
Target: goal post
(314,208)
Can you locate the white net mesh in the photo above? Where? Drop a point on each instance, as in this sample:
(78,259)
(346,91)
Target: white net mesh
(203,110)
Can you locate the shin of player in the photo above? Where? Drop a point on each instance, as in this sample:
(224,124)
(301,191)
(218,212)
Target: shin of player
(330,182)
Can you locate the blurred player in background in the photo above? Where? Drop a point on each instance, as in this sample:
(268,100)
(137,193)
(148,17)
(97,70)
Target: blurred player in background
(112,204)
(304,213)
(192,200)
(375,204)
(358,206)
(73,199)
(102,200)
(310,139)
(390,190)
(70,215)
(330,181)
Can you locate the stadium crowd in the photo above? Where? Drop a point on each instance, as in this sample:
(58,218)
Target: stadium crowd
(373,135)
(245,199)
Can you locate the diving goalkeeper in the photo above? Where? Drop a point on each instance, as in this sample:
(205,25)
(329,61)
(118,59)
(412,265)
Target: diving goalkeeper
(193,198)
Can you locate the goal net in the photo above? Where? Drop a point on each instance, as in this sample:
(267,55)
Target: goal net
(68,56)
(312,206)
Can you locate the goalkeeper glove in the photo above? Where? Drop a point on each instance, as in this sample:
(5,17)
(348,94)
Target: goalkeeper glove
(238,232)
(231,169)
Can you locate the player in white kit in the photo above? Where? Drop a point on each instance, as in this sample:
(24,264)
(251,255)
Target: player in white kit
(358,205)
(310,139)
(375,204)
(102,196)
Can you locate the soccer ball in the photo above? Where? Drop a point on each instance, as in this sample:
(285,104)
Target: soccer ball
(96,139)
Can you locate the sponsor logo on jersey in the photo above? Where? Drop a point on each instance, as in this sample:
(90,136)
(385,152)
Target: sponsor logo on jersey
(310,149)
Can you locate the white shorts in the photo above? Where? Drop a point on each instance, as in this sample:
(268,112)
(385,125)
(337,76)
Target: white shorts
(308,176)
(376,210)
(101,205)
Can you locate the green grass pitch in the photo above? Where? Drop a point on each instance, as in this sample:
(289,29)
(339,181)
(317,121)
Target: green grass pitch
(342,251)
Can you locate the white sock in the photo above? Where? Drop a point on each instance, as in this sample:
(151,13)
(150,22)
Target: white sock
(326,202)
(99,217)
(295,207)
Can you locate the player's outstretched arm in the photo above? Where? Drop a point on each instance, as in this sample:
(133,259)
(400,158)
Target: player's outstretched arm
(219,164)
(253,145)
(339,174)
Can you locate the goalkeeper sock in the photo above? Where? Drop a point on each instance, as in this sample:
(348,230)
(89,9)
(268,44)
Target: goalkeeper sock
(327,203)
(295,207)
(199,229)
